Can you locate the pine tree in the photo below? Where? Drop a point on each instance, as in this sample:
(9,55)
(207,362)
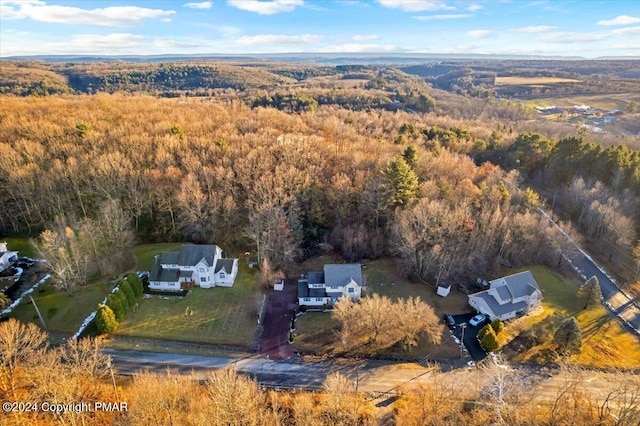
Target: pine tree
(590,292)
(123,300)
(568,336)
(126,289)
(483,331)
(115,304)
(489,341)
(497,325)
(403,181)
(105,320)
(411,156)
(136,284)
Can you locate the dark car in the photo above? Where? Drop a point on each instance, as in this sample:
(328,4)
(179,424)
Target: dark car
(448,319)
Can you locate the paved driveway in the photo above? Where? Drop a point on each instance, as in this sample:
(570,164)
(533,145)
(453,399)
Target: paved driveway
(274,342)
(470,336)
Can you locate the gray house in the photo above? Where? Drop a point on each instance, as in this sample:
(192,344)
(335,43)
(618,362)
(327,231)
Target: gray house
(326,287)
(508,297)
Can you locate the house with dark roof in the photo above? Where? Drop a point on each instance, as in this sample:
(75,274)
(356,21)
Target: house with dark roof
(7,257)
(326,287)
(194,264)
(508,297)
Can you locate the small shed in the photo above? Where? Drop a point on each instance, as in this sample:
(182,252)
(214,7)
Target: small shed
(444,290)
(279,286)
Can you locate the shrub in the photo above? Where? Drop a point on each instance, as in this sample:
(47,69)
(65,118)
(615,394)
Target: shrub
(105,320)
(123,299)
(125,288)
(303,308)
(136,284)
(489,341)
(483,331)
(115,304)
(497,325)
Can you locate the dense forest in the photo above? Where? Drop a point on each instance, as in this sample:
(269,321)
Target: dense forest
(384,165)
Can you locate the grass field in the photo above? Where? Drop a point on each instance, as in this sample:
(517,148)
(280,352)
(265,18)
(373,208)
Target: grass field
(225,316)
(22,245)
(605,342)
(529,81)
(62,313)
(315,330)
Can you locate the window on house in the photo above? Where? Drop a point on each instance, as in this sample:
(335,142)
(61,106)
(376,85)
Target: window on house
(202,270)
(307,299)
(318,299)
(203,279)
(352,290)
(334,287)
(172,284)
(223,275)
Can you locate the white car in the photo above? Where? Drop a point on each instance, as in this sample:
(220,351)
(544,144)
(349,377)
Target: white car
(478,319)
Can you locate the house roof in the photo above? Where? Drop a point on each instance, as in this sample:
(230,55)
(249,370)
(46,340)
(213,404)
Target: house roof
(191,254)
(519,285)
(341,275)
(303,288)
(315,277)
(224,264)
(497,308)
(504,293)
(169,258)
(158,273)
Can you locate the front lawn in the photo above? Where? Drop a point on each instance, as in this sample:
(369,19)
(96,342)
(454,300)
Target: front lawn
(22,245)
(316,330)
(62,313)
(220,315)
(605,342)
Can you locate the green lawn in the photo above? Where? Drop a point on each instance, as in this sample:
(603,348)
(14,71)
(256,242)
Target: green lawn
(146,252)
(62,313)
(605,342)
(22,245)
(225,316)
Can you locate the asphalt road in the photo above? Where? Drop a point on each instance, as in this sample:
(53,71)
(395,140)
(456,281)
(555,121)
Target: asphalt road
(622,306)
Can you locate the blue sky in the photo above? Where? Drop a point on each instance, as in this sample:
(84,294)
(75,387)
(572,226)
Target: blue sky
(571,28)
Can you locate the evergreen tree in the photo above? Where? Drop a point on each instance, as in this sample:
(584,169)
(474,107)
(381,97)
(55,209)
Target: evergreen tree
(497,325)
(489,341)
(483,331)
(136,284)
(568,336)
(105,320)
(115,304)
(410,155)
(123,300)
(590,292)
(403,182)
(126,289)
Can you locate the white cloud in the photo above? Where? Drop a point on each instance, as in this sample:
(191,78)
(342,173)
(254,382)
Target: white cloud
(414,5)
(360,37)
(442,17)
(279,39)
(201,5)
(620,20)
(479,33)
(359,48)
(569,38)
(533,29)
(266,7)
(474,7)
(115,16)
(628,30)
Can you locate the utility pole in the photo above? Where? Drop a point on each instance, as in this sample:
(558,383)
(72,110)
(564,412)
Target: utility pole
(113,378)
(38,311)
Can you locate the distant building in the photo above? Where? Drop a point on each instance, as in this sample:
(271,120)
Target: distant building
(201,265)
(325,288)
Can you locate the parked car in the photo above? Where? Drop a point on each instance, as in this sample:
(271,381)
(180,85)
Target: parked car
(477,320)
(448,319)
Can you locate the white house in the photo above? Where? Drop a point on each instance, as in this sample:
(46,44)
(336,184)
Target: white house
(508,297)
(201,265)
(325,288)
(7,257)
